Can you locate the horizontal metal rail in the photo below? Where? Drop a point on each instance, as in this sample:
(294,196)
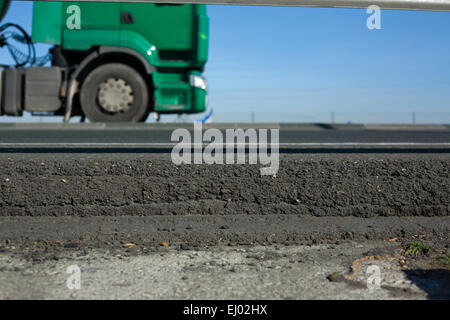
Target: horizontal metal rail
(426,5)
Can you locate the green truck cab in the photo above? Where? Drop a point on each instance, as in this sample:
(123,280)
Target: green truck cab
(113,61)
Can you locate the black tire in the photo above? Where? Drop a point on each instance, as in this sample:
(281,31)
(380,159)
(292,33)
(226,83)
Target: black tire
(118,82)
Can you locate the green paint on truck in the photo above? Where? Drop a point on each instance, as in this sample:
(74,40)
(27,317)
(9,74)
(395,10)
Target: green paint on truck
(167,44)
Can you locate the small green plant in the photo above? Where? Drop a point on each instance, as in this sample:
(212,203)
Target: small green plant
(444,260)
(416,248)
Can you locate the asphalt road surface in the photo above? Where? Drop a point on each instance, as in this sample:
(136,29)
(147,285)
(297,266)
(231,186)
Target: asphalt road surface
(84,194)
(148,135)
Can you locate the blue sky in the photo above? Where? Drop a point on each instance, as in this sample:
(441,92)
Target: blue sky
(302,64)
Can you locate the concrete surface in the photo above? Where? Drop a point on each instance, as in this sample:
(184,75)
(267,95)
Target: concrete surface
(220,272)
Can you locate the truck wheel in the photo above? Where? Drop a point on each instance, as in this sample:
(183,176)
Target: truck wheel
(114,92)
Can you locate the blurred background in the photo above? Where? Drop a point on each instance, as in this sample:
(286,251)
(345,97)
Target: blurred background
(287,64)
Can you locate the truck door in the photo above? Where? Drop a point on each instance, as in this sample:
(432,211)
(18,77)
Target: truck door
(99,24)
(166,26)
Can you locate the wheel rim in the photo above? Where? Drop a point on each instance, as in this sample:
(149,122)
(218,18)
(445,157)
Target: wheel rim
(115,95)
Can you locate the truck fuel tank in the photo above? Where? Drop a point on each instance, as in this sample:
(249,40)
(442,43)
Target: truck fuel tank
(33,89)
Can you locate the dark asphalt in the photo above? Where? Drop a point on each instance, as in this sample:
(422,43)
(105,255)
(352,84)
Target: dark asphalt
(117,190)
(154,134)
(98,200)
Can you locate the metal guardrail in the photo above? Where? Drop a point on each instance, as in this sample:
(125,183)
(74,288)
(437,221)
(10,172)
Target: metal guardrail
(427,5)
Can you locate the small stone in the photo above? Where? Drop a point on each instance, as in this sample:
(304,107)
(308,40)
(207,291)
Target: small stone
(72,245)
(185,246)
